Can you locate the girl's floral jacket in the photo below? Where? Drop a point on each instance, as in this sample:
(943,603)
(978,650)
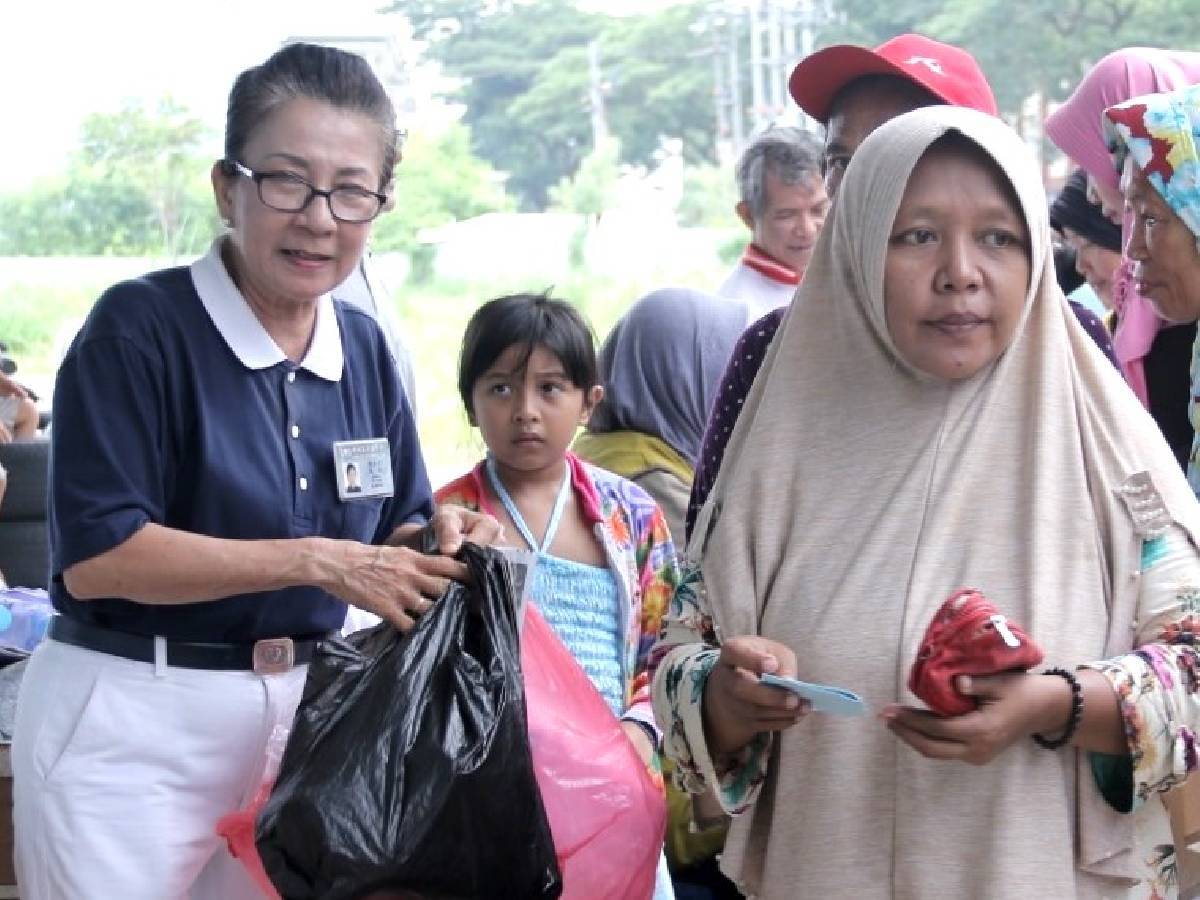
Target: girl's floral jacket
(637,543)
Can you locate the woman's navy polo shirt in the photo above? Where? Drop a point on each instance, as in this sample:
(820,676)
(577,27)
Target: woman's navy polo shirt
(174,406)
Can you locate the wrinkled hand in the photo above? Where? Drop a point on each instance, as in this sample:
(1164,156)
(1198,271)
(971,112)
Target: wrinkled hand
(1012,706)
(396,583)
(737,706)
(640,740)
(452,526)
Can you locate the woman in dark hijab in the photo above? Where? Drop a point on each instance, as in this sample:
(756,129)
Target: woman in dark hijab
(1095,240)
(661,364)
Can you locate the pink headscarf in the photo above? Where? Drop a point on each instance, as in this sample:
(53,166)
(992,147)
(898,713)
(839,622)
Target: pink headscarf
(1076,128)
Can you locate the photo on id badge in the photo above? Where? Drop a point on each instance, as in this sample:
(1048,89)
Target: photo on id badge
(363,468)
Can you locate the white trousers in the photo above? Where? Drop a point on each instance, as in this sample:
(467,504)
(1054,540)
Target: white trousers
(121,770)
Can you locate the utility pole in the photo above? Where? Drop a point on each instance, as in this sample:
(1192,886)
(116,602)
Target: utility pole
(808,16)
(721,97)
(596,97)
(737,108)
(803,19)
(789,47)
(758,96)
(777,80)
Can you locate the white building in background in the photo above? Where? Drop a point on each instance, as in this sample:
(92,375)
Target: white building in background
(533,246)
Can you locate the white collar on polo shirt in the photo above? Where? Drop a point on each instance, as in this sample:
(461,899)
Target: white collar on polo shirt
(246,336)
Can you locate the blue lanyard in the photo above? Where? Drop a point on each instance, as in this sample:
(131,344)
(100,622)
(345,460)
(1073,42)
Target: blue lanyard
(556,514)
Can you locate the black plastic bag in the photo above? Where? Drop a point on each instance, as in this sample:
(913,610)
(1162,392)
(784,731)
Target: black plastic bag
(408,766)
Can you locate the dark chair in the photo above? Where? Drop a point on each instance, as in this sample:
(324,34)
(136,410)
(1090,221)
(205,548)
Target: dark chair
(24,546)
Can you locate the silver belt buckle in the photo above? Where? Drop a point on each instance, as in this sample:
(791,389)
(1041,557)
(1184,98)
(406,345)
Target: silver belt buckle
(274,656)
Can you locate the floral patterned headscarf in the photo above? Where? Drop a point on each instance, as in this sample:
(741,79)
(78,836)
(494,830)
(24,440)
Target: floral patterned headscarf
(1161,133)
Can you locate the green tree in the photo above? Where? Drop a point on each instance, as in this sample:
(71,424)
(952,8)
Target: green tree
(590,190)
(527,85)
(438,181)
(869,23)
(1058,41)
(1036,46)
(136,185)
(155,152)
(661,79)
(499,50)
(709,198)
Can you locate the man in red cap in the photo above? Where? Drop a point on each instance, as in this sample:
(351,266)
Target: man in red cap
(851,91)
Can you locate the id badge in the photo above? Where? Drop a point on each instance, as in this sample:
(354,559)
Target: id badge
(363,469)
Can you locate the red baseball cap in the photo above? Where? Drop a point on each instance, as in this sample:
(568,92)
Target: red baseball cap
(947,72)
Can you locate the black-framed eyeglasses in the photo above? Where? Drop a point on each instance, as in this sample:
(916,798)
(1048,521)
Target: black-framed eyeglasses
(285,192)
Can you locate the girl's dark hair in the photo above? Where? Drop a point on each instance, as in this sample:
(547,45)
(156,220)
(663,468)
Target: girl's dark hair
(343,80)
(529,320)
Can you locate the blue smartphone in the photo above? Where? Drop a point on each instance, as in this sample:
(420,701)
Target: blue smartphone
(823,697)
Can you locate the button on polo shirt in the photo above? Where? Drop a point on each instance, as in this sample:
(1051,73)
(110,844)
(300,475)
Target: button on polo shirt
(174,406)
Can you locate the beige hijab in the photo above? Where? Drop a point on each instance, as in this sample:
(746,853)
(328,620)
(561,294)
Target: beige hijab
(863,494)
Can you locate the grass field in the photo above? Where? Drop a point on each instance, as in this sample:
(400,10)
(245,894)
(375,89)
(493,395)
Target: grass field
(42,302)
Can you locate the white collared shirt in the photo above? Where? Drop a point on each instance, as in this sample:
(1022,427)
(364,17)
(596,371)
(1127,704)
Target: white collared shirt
(759,293)
(364,290)
(245,334)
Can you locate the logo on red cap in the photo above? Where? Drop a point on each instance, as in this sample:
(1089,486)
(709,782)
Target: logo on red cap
(949,73)
(928,62)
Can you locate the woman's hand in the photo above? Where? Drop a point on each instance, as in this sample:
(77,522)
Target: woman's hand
(396,583)
(1012,706)
(452,526)
(737,706)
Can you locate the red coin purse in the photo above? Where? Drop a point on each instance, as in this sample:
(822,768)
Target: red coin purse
(968,636)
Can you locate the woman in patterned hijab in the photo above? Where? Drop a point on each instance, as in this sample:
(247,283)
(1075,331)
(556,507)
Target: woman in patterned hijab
(1154,142)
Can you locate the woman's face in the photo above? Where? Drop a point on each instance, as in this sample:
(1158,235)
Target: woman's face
(281,258)
(957,268)
(1164,248)
(1096,264)
(1109,199)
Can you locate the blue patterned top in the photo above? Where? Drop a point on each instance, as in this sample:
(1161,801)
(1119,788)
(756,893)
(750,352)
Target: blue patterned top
(580,603)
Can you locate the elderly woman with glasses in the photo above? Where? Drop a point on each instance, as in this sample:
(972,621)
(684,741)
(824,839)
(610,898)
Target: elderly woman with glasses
(204,533)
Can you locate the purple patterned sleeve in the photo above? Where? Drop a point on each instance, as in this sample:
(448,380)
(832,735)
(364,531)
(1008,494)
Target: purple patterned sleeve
(748,355)
(1096,331)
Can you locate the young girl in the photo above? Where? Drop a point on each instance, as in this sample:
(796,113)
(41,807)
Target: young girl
(606,565)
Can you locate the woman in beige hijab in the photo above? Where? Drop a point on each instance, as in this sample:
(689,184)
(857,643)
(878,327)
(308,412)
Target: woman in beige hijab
(1000,451)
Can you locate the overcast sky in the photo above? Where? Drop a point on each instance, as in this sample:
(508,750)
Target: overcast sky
(63,59)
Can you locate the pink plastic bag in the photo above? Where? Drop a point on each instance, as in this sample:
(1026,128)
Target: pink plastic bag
(606,812)
(238,827)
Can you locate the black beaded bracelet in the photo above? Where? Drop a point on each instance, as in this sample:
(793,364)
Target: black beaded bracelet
(1076,711)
